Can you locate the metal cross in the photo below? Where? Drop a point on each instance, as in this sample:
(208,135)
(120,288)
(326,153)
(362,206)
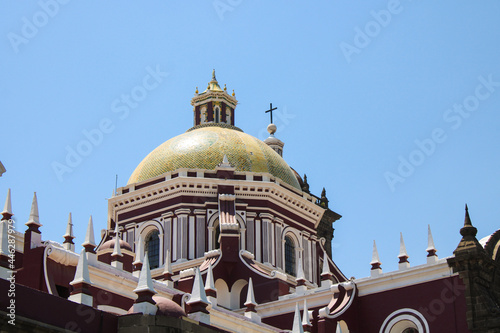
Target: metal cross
(271,109)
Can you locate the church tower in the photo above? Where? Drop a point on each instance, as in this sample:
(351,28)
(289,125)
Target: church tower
(214,105)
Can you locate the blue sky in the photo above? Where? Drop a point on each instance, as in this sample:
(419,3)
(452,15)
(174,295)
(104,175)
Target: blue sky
(392,106)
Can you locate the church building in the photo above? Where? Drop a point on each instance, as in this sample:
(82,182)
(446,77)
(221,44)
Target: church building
(215,232)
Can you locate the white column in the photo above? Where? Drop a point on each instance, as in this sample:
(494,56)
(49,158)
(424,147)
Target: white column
(182,233)
(258,255)
(200,232)
(192,238)
(161,256)
(242,238)
(272,244)
(175,239)
(167,237)
(279,246)
(314,259)
(211,235)
(267,237)
(250,232)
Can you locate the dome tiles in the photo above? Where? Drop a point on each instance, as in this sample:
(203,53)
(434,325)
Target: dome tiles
(204,147)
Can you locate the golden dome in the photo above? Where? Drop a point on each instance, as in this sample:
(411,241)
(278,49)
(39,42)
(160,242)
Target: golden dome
(204,147)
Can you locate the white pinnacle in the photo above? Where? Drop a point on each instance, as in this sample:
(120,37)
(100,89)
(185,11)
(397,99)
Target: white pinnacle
(34,218)
(297,325)
(145,281)
(198,293)
(326,267)
(89,236)
(402,247)
(117,249)
(82,270)
(305,316)
(7,209)
(225,163)
(69,228)
(209,283)
(138,252)
(338,330)
(375,257)
(430,240)
(250,295)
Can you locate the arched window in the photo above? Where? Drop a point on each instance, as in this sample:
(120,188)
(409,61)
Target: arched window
(289,256)
(152,245)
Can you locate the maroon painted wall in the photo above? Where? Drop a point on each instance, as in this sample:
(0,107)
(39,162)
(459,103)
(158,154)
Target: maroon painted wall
(441,302)
(56,311)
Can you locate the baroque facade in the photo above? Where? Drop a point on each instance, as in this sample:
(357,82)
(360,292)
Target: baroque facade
(215,232)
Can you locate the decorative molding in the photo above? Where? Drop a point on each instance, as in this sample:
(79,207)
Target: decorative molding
(401,315)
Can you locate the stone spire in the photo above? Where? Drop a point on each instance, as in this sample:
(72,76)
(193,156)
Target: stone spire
(69,236)
(81,283)
(476,269)
(376,269)
(198,303)
(301,278)
(210,290)
(431,249)
(306,322)
(326,275)
(225,163)
(323,201)
(468,229)
(224,169)
(338,330)
(82,270)
(89,242)
(145,291)
(116,256)
(7,208)
(305,187)
(33,236)
(403,255)
(297,325)
(250,303)
(34,220)
(167,271)
(198,292)
(145,281)
(469,242)
(139,249)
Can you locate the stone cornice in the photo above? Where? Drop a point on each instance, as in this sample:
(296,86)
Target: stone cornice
(401,278)
(207,187)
